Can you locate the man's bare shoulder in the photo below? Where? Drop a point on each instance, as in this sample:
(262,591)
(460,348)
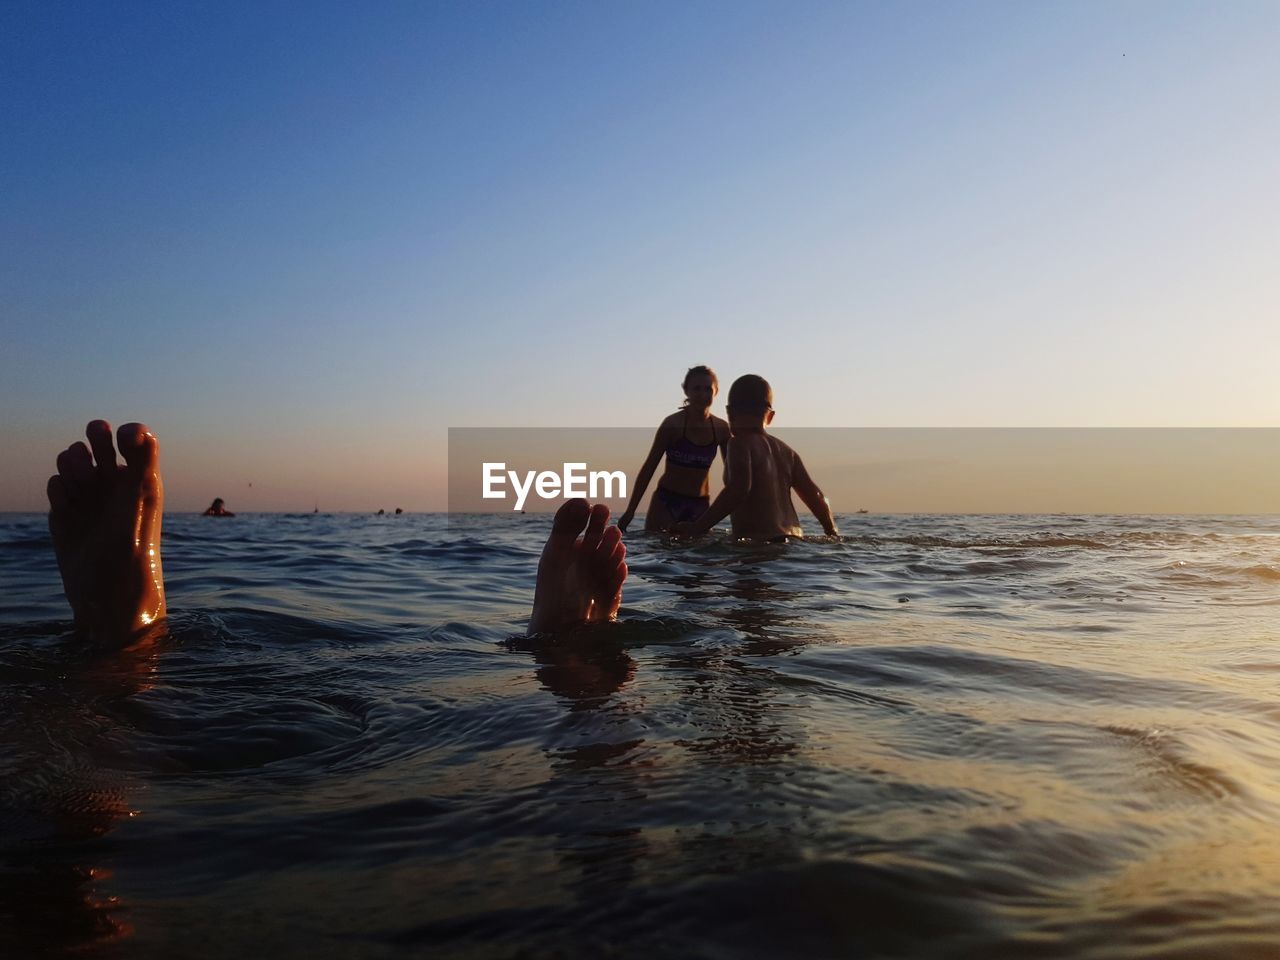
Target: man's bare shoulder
(780,449)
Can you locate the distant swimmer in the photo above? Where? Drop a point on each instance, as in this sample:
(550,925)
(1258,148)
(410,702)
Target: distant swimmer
(398,511)
(689,439)
(381,513)
(218,509)
(762,471)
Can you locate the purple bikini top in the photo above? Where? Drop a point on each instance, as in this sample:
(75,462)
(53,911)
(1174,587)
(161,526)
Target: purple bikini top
(685,453)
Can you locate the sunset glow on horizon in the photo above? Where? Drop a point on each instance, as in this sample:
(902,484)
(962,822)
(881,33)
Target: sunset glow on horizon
(303,244)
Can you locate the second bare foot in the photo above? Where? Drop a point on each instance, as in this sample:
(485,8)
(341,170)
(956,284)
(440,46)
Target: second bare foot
(580,575)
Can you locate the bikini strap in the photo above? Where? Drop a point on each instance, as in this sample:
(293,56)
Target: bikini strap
(715,440)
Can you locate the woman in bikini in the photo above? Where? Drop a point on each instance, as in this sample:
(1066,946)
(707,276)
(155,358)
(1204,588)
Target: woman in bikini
(689,439)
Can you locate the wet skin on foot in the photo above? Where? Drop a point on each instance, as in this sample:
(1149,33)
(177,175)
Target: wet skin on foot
(105,520)
(581,573)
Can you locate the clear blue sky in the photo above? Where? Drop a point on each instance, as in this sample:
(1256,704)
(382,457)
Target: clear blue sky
(301,240)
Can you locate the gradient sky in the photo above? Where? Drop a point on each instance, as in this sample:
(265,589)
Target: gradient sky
(302,240)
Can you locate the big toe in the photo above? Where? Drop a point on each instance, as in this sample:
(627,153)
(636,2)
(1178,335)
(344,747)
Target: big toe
(568,523)
(140,449)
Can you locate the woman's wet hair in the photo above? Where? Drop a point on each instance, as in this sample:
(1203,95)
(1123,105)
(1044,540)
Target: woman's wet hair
(699,371)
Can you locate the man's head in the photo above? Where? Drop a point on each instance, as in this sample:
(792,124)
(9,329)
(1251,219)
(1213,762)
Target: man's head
(751,399)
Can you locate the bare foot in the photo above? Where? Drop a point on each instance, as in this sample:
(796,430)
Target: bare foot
(579,578)
(105,522)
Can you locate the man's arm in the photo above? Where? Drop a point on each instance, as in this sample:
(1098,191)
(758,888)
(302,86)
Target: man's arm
(643,477)
(724,454)
(736,487)
(813,498)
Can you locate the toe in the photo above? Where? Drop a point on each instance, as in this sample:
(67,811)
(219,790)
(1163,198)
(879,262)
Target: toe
(550,602)
(616,566)
(565,529)
(104,454)
(75,466)
(58,502)
(609,570)
(611,595)
(59,511)
(610,539)
(139,447)
(595,527)
(569,521)
(619,578)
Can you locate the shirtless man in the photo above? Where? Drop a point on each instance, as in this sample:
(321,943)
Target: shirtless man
(762,471)
(105,520)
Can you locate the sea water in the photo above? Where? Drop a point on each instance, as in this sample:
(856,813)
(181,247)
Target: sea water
(977,736)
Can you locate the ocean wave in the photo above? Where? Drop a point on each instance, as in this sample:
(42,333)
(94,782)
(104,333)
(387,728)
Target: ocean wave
(1262,572)
(1049,722)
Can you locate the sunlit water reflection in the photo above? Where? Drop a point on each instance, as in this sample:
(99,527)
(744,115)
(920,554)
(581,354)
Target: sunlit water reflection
(941,736)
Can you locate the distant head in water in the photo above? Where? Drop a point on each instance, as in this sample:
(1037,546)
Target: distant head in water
(218,509)
(700,388)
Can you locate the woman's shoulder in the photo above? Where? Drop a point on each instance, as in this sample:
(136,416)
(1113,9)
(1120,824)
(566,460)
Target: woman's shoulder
(672,420)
